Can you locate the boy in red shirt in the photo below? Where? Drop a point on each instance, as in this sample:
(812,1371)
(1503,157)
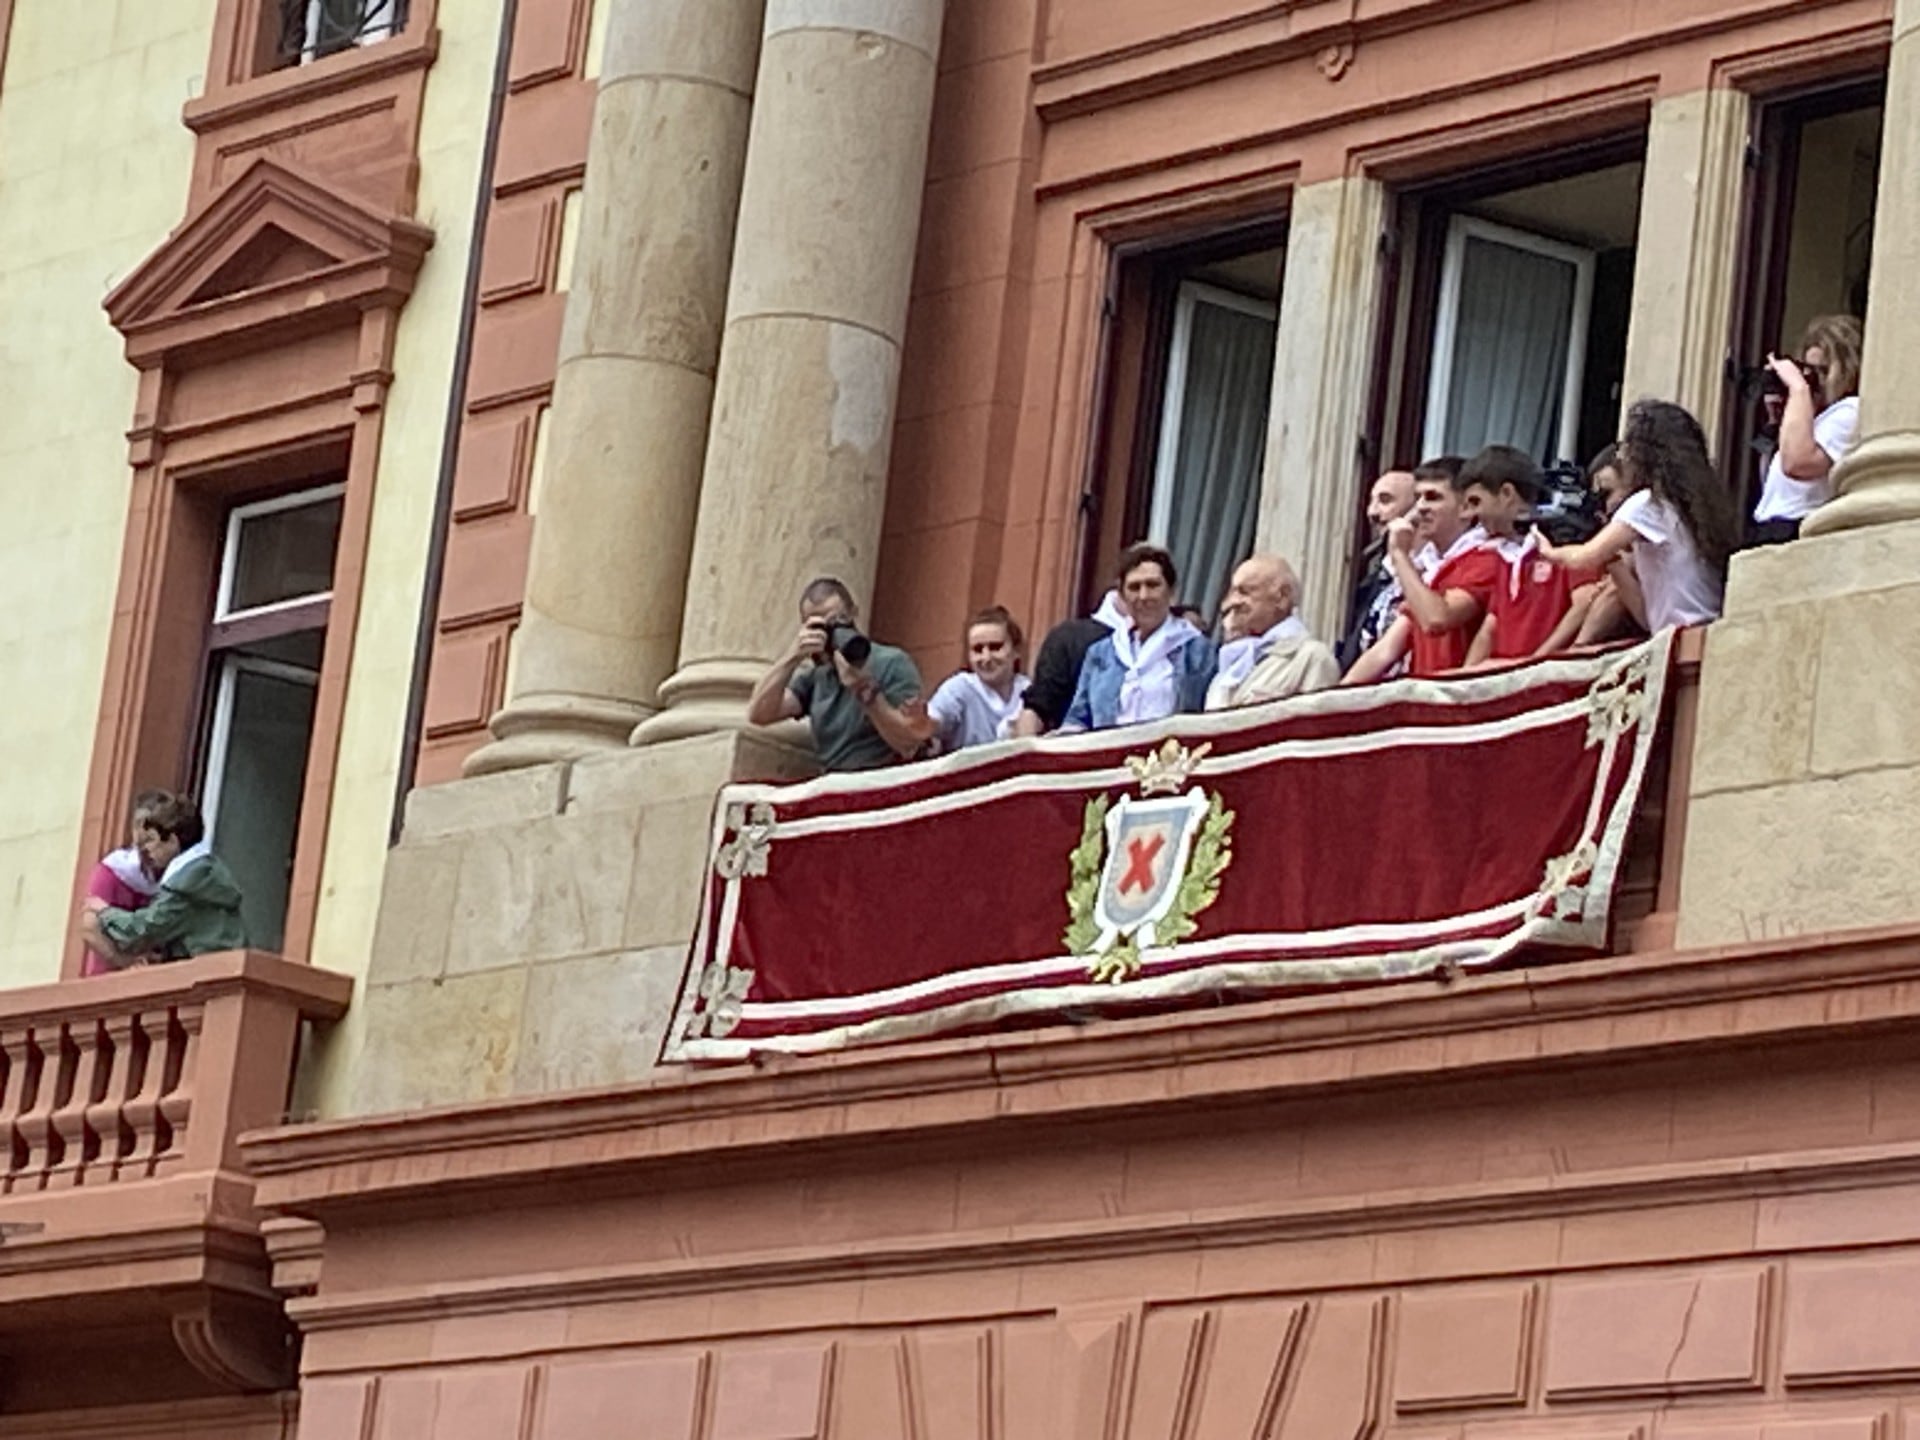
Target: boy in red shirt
(1441,616)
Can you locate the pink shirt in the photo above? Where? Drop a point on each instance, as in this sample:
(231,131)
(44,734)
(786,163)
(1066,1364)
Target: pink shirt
(116,880)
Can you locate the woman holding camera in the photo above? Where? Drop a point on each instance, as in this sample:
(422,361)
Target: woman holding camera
(979,704)
(1819,421)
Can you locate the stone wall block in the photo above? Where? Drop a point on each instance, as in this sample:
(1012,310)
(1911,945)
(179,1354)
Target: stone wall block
(1822,567)
(438,811)
(596,1021)
(1867,711)
(669,874)
(437,1042)
(416,912)
(1805,858)
(542,891)
(1757,700)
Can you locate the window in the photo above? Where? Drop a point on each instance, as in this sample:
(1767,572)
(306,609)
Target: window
(1813,193)
(311,30)
(264,651)
(1510,291)
(1509,343)
(1183,437)
(1213,435)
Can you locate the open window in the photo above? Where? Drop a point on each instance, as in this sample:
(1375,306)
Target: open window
(1509,297)
(1182,442)
(1811,200)
(265,646)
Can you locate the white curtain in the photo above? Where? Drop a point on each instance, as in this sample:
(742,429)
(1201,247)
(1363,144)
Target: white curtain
(1221,442)
(1509,363)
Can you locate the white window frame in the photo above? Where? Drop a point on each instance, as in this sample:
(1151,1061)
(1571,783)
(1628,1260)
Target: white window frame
(1447,324)
(237,517)
(1173,396)
(316,12)
(221,734)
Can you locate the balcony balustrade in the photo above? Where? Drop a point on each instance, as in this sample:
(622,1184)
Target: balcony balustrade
(127,1227)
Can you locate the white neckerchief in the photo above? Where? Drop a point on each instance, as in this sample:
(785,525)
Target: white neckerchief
(1148,690)
(1428,559)
(1110,614)
(127,869)
(1002,711)
(185,858)
(1238,657)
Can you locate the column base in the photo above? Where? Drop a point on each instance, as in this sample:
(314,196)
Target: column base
(1878,484)
(708,697)
(544,729)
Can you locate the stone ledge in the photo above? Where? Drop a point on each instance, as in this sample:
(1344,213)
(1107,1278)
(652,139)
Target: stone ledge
(1566,1016)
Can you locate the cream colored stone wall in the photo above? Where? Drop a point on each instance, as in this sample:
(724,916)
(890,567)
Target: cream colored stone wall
(94,169)
(1806,770)
(453,130)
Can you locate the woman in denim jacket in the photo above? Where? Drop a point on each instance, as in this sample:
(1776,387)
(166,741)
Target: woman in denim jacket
(1158,666)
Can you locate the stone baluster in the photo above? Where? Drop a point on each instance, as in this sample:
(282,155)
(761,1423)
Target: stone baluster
(90,1060)
(176,1095)
(106,1116)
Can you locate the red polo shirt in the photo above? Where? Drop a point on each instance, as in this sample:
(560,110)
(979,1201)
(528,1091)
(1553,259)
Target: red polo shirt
(1531,599)
(1479,572)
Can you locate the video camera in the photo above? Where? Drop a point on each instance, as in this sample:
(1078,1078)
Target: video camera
(1569,510)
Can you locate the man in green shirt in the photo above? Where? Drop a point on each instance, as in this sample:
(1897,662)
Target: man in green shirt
(860,699)
(197,908)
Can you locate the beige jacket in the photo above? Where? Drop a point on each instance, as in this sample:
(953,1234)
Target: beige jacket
(1296,666)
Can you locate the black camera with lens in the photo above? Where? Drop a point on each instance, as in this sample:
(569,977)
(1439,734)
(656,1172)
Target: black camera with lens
(1569,510)
(844,638)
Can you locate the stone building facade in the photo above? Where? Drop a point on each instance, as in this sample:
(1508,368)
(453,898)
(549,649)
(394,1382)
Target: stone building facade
(545,348)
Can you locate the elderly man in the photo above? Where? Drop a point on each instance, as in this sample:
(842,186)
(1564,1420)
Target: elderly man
(1274,656)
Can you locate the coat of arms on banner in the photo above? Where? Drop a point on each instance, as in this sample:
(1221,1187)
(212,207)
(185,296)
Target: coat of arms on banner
(1146,866)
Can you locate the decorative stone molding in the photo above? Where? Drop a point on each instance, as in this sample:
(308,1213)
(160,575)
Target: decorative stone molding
(277,253)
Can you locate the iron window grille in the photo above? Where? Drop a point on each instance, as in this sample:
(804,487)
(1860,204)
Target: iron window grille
(314,29)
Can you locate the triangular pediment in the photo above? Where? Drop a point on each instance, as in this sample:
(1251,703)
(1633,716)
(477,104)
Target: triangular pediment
(274,228)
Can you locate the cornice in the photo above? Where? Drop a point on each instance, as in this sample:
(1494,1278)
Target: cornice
(278,89)
(1127,1072)
(1532,1199)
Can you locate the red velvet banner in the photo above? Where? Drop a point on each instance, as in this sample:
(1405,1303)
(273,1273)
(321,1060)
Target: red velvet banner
(1356,835)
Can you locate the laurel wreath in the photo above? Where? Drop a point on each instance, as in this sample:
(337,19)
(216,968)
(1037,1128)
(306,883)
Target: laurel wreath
(1199,888)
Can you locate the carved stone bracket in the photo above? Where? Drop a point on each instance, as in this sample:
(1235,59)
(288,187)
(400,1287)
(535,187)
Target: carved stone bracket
(239,1342)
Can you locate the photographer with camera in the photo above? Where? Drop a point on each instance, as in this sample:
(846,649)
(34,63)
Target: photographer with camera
(860,699)
(1817,402)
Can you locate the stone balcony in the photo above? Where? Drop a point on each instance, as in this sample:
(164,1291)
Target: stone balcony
(129,1244)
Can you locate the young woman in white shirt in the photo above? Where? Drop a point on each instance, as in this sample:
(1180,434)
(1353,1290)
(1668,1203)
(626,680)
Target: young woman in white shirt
(1676,522)
(1819,422)
(979,704)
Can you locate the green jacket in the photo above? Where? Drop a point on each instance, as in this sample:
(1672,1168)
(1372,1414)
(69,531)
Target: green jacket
(197,910)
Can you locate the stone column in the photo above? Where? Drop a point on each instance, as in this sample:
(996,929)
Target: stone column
(634,392)
(1879,482)
(803,416)
(1688,251)
(1322,376)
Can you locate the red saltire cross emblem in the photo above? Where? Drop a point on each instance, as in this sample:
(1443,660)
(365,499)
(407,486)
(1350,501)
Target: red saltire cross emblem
(1141,853)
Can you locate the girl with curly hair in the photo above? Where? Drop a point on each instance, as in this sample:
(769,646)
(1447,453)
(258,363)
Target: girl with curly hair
(1677,522)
